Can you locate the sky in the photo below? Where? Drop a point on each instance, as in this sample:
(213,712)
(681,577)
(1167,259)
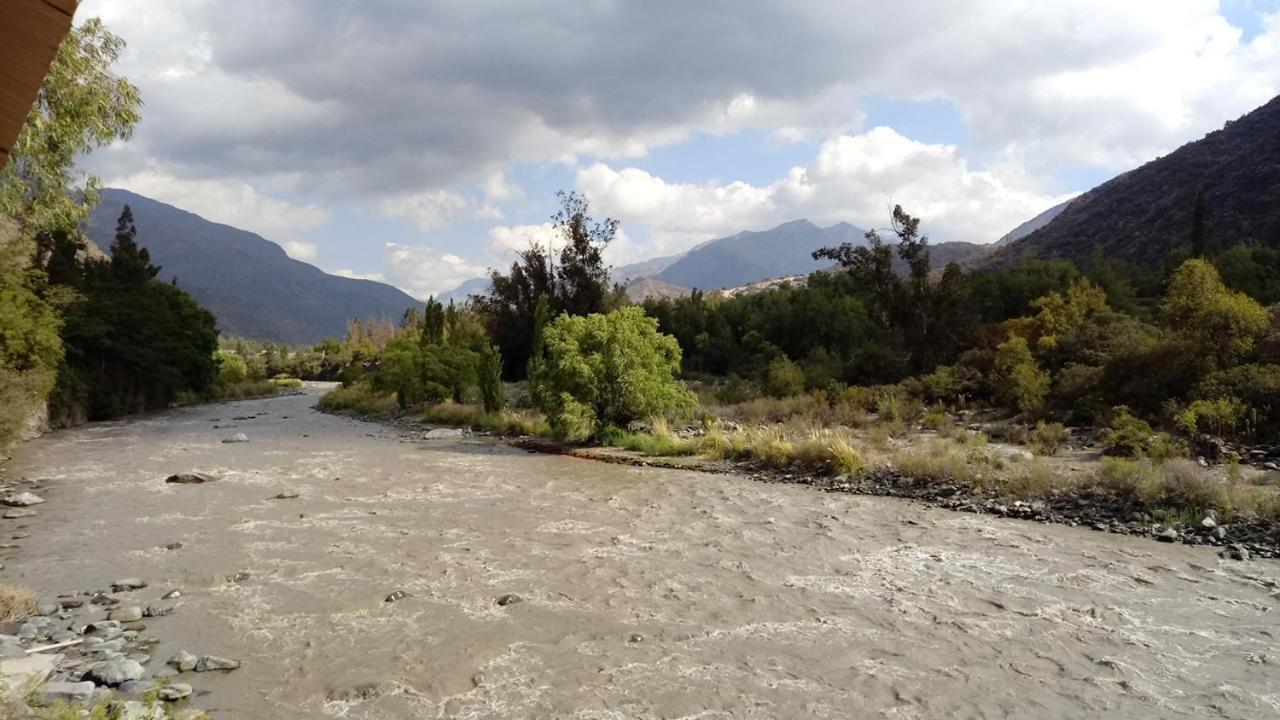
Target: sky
(420,143)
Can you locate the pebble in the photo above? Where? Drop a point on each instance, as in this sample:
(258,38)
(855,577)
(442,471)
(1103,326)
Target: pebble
(509,599)
(22,499)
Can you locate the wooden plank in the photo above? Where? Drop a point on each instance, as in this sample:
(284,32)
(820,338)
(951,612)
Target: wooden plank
(30,33)
(66,7)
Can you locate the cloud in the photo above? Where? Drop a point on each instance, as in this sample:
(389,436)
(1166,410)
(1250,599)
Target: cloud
(853,178)
(505,241)
(423,271)
(231,202)
(428,209)
(300,250)
(349,273)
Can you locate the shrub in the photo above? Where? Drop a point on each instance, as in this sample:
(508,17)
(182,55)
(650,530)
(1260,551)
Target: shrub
(602,370)
(1125,480)
(936,462)
(1257,386)
(658,442)
(1220,416)
(784,378)
(1048,438)
(1127,435)
(1009,432)
(232,368)
(489,370)
(737,390)
(286,382)
(360,399)
(937,420)
(1184,486)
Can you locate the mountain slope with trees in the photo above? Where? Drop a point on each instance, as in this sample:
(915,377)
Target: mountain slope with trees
(1232,175)
(250,285)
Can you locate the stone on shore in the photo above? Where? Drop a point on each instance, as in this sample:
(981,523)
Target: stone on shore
(184,661)
(22,499)
(115,672)
(21,673)
(132,613)
(68,692)
(174,692)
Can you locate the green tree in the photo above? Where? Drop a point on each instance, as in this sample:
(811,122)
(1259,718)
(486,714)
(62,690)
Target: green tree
(607,370)
(130,263)
(489,371)
(1019,380)
(784,378)
(81,106)
(1221,324)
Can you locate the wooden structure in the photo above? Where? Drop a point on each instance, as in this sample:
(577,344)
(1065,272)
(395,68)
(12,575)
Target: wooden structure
(30,33)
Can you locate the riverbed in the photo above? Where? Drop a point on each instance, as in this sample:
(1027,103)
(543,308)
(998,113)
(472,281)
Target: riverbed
(635,592)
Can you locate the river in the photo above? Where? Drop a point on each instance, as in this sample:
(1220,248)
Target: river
(645,592)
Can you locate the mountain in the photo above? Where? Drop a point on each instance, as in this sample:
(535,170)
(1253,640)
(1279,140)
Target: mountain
(1031,225)
(250,285)
(1143,214)
(750,256)
(625,274)
(474,286)
(646,288)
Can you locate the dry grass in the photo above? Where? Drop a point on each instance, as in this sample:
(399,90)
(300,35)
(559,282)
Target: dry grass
(16,603)
(359,398)
(504,422)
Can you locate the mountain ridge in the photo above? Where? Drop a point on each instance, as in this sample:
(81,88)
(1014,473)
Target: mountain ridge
(249,283)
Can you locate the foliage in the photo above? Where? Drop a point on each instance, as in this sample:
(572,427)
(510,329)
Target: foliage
(608,370)
(1221,324)
(232,368)
(1220,416)
(359,398)
(659,441)
(81,106)
(489,376)
(784,378)
(513,310)
(1048,438)
(1020,381)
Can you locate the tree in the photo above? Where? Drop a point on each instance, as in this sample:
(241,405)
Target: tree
(578,286)
(489,371)
(1019,380)
(81,106)
(608,370)
(1199,233)
(130,263)
(1220,323)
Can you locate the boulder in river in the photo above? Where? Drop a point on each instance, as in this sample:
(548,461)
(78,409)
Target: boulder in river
(509,599)
(184,661)
(128,584)
(207,663)
(397,595)
(190,478)
(237,438)
(132,613)
(22,499)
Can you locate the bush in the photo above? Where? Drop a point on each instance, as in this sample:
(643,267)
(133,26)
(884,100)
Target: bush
(1257,386)
(784,378)
(232,368)
(1126,435)
(1124,480)
(1019,381)
(603,370)
(287,382)
(1048,438)
(1184,486)
(1220,416)
(658,442)
(360,399)
(489,370)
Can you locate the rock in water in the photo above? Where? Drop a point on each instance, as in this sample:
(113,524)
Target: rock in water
(174,692)
(509,599)
(398,595)
(172,594)
(18,514)
(22,499)
(213,662)
(441,433)
(237,438)
(286,495)
(184,661)
(1167,535)
(191,478)
(115,672)
(128,584)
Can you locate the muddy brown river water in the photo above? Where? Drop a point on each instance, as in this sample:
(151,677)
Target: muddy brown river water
(645,593)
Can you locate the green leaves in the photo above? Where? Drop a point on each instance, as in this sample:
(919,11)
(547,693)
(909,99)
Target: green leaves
(608,370)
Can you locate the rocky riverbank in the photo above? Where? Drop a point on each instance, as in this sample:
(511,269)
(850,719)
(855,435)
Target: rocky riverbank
(1240,539)
(93,648)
